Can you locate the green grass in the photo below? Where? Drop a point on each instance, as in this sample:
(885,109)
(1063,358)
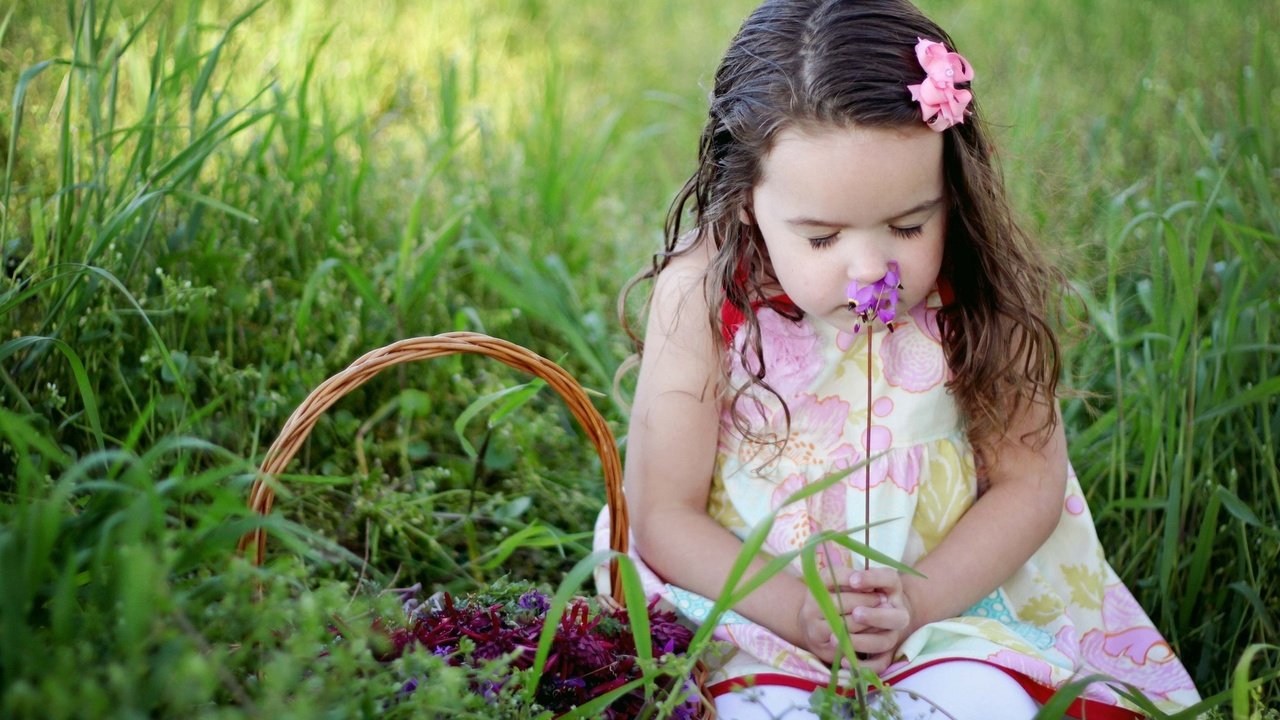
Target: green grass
(209,207)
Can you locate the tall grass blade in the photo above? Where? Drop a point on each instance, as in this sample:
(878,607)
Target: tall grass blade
(81,376)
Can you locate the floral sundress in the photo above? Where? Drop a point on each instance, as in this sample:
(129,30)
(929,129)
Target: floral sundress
(1063,616)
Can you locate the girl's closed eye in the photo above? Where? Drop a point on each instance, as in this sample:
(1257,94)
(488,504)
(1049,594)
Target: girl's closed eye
(819,243)
(824,241)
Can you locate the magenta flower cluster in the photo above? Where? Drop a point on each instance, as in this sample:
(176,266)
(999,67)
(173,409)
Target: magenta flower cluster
(593,651)
(877,300)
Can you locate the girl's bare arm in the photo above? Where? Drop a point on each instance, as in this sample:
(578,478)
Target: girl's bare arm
(671,448)
(1006,525)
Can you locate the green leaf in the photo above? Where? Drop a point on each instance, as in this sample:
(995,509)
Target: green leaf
(87,395)
(1236,506)
(637,610)
(1260,609)
(206,72)
(1240,680)
(597,705)
(534,535)
(516,401)
(1057,706)
(818,589)
(15,130)
(216,205)
(480,403)
(1262,392)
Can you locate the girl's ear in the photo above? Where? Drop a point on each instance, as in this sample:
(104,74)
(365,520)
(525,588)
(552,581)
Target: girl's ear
(745,217)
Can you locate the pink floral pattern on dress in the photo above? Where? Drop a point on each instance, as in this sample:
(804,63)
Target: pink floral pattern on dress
(1101,692)
(796,522)
(912,361)
(1128,648)
(790,350)
(900,466)
(817,433)
(1038,670)
(773,650)
(816,441)
(1067,643)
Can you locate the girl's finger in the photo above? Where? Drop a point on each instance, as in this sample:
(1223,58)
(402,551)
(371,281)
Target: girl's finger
(855,627)
(876,579)
(846,602)
(885,617)
(877,663)
(874,643)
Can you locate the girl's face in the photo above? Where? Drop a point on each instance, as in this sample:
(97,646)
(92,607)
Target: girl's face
(837,204)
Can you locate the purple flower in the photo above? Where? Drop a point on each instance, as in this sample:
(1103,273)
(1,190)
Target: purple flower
(691,708)
(489,689)
(409,601)
(592,653)
(535,601)
(557,692)
(878,299)
(666,630)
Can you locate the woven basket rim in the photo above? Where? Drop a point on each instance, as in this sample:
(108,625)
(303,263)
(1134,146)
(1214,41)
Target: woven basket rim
(300,423)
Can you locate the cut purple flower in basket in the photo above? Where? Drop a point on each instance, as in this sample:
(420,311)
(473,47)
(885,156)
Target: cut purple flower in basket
(535,601)
(593,651)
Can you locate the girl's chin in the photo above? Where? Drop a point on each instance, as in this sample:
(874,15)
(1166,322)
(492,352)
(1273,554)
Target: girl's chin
(842,320)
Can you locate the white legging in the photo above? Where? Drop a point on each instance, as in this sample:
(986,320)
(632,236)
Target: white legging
(966,690)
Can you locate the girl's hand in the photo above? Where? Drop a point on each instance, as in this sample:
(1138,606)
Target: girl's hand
(885,622)
(814,631)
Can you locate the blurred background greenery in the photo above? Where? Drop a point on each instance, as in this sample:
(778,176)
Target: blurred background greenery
(209,206)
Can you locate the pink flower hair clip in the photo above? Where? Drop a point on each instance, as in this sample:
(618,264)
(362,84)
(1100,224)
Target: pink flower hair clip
(878,300)
(942,104)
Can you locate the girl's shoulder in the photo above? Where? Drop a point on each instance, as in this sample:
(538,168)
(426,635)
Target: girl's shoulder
(681,285)
(692,253)
(678,309)
(680,356)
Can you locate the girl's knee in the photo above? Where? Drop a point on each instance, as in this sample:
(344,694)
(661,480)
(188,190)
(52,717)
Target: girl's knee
(765,702)
(966,690)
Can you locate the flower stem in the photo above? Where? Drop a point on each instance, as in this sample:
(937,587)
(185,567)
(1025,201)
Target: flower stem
(866,468)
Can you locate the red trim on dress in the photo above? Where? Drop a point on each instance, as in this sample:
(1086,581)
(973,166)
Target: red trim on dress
(731,318)
(1081,708)
(945,292)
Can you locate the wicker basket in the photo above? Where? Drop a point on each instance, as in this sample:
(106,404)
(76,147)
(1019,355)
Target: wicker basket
(299,425)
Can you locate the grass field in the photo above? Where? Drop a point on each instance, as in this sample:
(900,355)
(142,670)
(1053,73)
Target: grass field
(210,206)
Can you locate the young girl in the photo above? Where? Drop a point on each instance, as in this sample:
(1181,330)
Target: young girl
(855,287)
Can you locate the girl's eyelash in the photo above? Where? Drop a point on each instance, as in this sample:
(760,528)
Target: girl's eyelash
(903,232)
(820,242)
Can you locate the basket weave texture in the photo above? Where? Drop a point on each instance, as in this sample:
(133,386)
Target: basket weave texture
(300,423)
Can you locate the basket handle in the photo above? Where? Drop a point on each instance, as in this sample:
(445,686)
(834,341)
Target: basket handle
(300,423)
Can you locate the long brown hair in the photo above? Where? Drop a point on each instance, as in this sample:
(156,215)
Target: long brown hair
(840,63)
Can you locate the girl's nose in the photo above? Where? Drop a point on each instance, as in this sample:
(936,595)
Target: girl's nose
(866,266)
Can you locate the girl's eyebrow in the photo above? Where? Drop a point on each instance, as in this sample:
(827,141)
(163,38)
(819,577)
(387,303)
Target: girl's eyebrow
(819,222)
